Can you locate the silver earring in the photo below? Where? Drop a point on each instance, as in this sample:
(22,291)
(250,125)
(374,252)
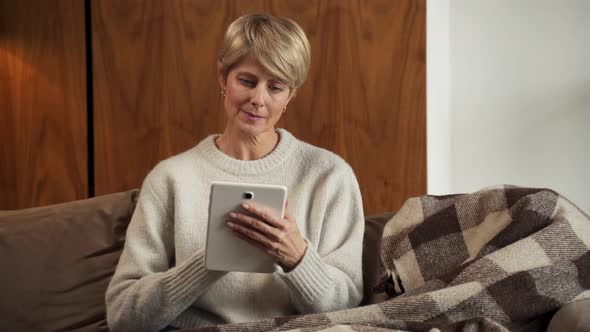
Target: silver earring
(223,93)
(285,109)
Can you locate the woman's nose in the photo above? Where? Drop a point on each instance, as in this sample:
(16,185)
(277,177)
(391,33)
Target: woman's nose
(257,97)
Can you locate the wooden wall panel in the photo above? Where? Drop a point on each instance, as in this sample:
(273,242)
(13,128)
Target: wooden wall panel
(156,92)
(155,87)
(365,97)
(43,150)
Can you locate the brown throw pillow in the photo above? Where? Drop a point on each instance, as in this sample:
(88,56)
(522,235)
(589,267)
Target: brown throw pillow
(58,260)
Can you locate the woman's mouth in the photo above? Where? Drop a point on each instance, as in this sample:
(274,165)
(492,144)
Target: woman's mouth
(252,116)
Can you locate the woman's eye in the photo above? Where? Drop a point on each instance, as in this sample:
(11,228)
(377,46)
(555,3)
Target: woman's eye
(276,88)
(246,82)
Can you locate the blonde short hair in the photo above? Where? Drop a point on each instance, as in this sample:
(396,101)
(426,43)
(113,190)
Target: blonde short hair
(279,44)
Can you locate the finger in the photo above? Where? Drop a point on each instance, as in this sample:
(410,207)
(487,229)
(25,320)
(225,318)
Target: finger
(256,244)
(256,224)
(250,235)
(269,248)
(264,214)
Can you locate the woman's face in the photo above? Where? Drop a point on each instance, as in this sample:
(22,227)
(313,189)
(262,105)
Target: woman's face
(254,100)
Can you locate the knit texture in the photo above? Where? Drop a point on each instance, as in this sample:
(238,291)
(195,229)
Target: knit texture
(161,279)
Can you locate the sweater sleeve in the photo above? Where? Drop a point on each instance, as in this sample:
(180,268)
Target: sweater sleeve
(146,293)
(329,277)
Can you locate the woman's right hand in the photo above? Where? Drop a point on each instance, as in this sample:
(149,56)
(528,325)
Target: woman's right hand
(278,237)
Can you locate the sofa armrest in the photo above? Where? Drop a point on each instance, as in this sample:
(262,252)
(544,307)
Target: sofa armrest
(371,255)
(573,317)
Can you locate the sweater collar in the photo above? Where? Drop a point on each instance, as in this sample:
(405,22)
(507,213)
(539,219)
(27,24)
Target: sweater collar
(218,159)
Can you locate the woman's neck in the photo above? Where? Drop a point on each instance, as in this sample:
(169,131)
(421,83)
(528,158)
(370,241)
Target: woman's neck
(246,147)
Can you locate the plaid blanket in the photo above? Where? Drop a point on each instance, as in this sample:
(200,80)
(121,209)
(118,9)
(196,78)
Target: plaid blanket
(493,260)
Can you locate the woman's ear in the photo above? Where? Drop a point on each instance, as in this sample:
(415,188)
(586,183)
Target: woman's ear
(220,76)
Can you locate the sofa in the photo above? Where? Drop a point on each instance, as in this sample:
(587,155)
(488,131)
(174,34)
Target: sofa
(58,260)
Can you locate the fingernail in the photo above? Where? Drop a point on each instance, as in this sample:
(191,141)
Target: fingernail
(230,224)
(233,214)
(245,206)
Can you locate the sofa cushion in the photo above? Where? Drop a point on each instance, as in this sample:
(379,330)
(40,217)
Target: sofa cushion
(57,262)
(371,253)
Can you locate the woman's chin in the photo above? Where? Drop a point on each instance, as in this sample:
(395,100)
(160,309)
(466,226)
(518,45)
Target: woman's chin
(250,129)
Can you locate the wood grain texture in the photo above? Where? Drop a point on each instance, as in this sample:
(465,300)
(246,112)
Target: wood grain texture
(156,92)
(43,155)
(365,97)
(155,87)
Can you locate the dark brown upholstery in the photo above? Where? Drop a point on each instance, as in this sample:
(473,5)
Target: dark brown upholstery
(371,243)
(57,262)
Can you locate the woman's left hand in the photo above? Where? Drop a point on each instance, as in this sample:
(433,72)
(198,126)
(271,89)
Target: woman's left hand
(278,237)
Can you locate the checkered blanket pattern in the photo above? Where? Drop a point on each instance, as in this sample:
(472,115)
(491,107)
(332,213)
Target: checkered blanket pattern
(492,260)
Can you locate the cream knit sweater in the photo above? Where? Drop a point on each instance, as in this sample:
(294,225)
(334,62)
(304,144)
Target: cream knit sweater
(161,279)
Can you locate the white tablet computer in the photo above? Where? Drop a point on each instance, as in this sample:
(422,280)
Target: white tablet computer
(224,250)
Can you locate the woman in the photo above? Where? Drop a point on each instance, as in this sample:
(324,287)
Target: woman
(161,280)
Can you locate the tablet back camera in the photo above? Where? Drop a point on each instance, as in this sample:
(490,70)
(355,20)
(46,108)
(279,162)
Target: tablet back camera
(248,195)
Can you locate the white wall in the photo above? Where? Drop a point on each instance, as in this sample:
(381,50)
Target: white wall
(438,91)
(519,96)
